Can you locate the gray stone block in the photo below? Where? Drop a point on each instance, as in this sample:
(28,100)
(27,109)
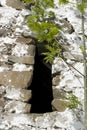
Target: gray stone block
(18,94)
(15,78)
(17,107)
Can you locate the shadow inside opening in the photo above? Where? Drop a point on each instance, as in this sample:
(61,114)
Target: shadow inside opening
(41,87)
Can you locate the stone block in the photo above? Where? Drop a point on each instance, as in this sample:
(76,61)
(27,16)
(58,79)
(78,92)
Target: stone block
(26,95)
(18,94)
(57,93)
(2,104)
(2,90)
(67,26)
(15,128)
(17,4)
(24,40)
(56,80)
(17,107)
(22,60)
(3,59)
(31,50)
(59,65)
(59,105)
(2,32)
(15,78)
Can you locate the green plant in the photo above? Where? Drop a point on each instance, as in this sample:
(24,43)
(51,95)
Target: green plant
(52,51)
(72,101)
(41,22)
(63,1)
(81,7)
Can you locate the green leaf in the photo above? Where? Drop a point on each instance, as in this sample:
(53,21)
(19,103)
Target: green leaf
(73,101)
(28,1)
(63,1)
(48,3)
(38,10)
(41,24)
(84,1)
(82,49)
(51,34)
(52,51)
(81,7)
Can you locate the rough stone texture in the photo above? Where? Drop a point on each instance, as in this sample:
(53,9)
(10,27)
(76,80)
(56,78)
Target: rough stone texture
(16,61)
(22,60)
(67,26)
(17,79)
(17,4)
(31,50)
(2,104)
(15,45)
(2,31)
(15,128)
(17,107)
(57,93)
(59,105)
(59,65)
(56,80)
(18,94)
(48,121)
(24,40)
(2,90)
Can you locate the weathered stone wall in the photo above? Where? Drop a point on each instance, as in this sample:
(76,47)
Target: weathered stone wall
(67,71)
(15,84)
(17,52)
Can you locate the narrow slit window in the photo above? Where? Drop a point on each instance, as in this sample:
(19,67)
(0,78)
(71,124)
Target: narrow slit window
(41,87)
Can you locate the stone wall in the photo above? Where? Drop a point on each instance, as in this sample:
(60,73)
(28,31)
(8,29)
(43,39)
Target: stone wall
(17,52)
(14,84)
(16,65)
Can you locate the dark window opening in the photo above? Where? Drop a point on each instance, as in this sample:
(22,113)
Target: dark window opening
(41,87)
